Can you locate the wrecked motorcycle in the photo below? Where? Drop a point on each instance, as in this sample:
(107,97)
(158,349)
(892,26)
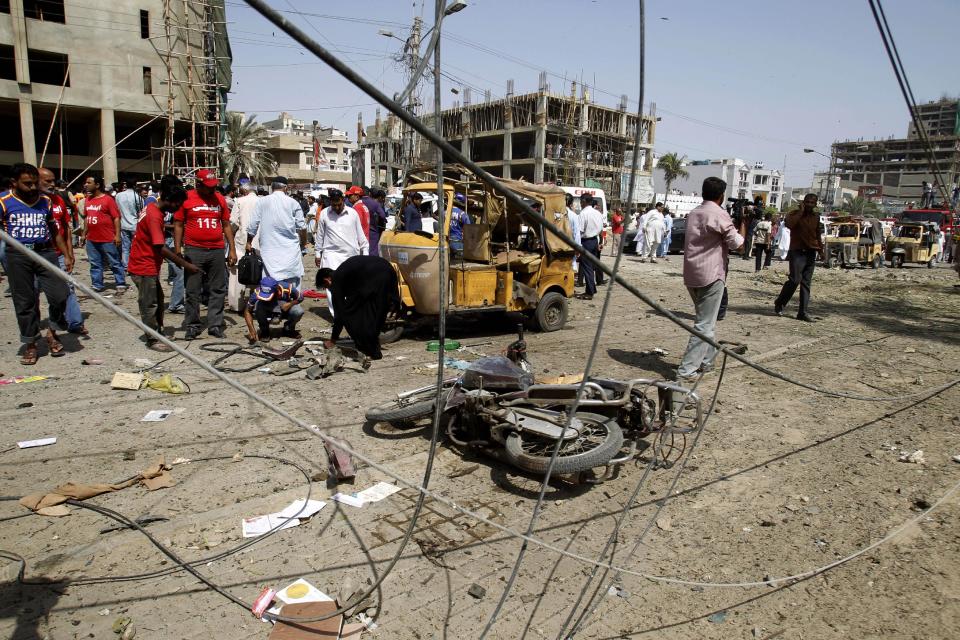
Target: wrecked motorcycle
(496,407)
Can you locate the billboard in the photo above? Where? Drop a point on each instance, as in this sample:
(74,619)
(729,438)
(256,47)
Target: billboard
(870,191)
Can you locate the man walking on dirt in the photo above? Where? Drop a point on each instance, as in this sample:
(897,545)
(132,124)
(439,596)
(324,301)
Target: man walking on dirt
(710,234)
(805,246)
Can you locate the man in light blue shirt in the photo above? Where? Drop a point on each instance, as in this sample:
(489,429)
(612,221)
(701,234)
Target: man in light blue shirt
(130,204)
(279,224)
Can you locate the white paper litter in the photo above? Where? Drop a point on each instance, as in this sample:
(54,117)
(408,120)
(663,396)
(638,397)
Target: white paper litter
(348,499)
(259,525)
(378,492)
(288,517)
(157,415)
(313,506)
(40,442)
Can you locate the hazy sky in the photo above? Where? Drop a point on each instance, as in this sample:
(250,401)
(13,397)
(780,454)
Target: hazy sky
(755,79)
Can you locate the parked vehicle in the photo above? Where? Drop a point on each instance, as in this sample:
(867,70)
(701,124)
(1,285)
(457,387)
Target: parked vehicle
(914,242)
(853,240)
(676,238)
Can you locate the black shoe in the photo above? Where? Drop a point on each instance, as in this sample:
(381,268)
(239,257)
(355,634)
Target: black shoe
(192,334)
(585,296)
(777,309)
(215,332)
(805,319)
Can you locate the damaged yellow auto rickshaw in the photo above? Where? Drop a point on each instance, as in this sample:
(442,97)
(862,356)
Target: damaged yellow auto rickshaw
(509,261)
(916,242)
(854,240)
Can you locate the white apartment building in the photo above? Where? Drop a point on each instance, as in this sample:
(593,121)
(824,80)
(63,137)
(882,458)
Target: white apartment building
(744,180)
(291,144)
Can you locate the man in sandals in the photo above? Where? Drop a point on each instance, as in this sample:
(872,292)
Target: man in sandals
(27,216)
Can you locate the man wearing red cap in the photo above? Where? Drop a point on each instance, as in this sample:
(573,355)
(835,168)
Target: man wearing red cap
(199,229)
(354,194)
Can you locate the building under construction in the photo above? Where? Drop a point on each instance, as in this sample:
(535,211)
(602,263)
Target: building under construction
(538,137)
(129,87)
(896,168)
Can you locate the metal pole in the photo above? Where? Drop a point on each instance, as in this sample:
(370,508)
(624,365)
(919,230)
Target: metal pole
(444,279)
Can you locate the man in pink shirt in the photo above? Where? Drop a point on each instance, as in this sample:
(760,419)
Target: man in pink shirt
(710,235)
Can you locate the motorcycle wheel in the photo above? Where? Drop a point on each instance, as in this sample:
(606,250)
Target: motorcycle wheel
(400,410)
(595,448)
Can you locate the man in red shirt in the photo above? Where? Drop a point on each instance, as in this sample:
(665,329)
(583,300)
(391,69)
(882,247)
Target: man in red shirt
(101,232)
(354,194)
(617,223)
(199,228)
(148,249)
(62,218)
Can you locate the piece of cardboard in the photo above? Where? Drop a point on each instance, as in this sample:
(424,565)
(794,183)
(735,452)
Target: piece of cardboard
(126,380)
(329,628)
(476,242)
(352,631)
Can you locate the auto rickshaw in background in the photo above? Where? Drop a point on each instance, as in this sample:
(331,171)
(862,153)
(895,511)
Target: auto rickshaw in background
(509,261)
(914,242)
(853,240)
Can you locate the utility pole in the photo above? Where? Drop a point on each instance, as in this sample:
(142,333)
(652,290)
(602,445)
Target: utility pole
(316,154)
(413,60)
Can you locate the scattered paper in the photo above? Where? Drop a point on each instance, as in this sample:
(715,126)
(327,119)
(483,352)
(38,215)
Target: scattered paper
(378,492)
(40,442)
(124,380)
(157,415)
(312,507)
(259,525)
(22,379)
(289,517)
(349,499)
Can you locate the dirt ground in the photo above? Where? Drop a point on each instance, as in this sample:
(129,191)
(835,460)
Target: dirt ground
(783,480)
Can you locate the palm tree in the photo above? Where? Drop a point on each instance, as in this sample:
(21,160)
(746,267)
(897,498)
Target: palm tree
(672,166)
(244,149)
(859,206)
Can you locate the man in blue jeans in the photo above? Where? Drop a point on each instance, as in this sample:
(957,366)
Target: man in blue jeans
(130,205)
(710,235)
(61,217)
(805,247)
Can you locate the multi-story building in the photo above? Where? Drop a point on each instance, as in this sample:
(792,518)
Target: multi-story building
(294,144)
(539,137)
(126,87)
(898,167)
(744,180)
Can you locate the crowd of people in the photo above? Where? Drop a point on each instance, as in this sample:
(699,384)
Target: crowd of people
(200,231)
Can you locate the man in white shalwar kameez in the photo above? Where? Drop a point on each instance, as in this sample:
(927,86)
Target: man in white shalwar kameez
(240,216)
(782,241)
(339,235)
(642,244)
(279,225)
(653,230)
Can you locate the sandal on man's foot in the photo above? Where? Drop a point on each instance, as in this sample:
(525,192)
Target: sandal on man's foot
(55,346)
(29,356)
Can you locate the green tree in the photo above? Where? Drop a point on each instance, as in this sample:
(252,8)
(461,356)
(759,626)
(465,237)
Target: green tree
(859,206)
(672,166)
(244,149)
